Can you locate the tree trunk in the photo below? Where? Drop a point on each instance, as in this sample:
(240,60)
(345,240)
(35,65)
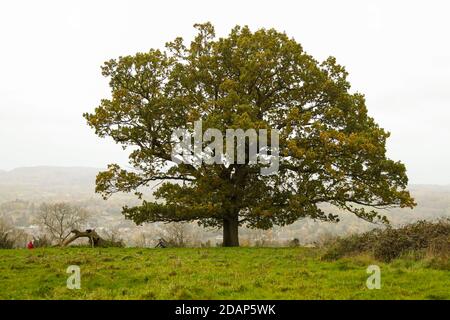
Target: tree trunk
(94,238)
(230,232)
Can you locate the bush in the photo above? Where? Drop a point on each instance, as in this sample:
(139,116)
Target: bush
(391,244)
(5,241)
(440,246)
(42,241)
(111,238)
(352,244)
(112,244)
(388,244)
(294,243)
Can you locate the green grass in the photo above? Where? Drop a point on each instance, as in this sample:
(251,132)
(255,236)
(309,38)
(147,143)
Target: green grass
(212,273)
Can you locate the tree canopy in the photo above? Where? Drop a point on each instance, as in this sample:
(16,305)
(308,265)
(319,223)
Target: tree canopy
(330,149)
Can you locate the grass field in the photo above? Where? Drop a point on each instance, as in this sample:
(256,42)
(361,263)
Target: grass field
(212,273)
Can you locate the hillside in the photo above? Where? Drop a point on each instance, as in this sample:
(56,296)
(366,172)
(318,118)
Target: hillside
(225,273)
(35,183)
(46,176)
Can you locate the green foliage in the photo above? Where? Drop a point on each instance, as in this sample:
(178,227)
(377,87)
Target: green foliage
(389,244)
(331,151)
(211,273)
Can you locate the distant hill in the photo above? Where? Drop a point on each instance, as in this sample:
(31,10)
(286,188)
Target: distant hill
(44,176)
(45,183)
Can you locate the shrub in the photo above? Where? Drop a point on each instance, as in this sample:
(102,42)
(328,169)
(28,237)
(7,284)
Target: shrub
(440,246)
(352,244)
(112,238)
(388,244)
(294,243)
(391,244)
(5,241)
(112,243)
(42,241)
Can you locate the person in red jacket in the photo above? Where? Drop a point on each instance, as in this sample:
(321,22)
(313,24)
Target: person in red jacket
(30,245)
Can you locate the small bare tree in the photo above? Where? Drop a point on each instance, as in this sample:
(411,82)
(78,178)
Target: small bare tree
(177,234)
(59,219)
(112,237)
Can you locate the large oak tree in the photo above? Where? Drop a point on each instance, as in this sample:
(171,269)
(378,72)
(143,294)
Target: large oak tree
(331,151)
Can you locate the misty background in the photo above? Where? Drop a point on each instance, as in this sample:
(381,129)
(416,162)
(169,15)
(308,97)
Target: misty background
(396,53)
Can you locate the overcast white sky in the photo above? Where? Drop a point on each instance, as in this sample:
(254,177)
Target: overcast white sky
(397,54)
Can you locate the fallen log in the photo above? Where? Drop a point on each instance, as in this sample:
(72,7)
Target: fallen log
(94,239)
